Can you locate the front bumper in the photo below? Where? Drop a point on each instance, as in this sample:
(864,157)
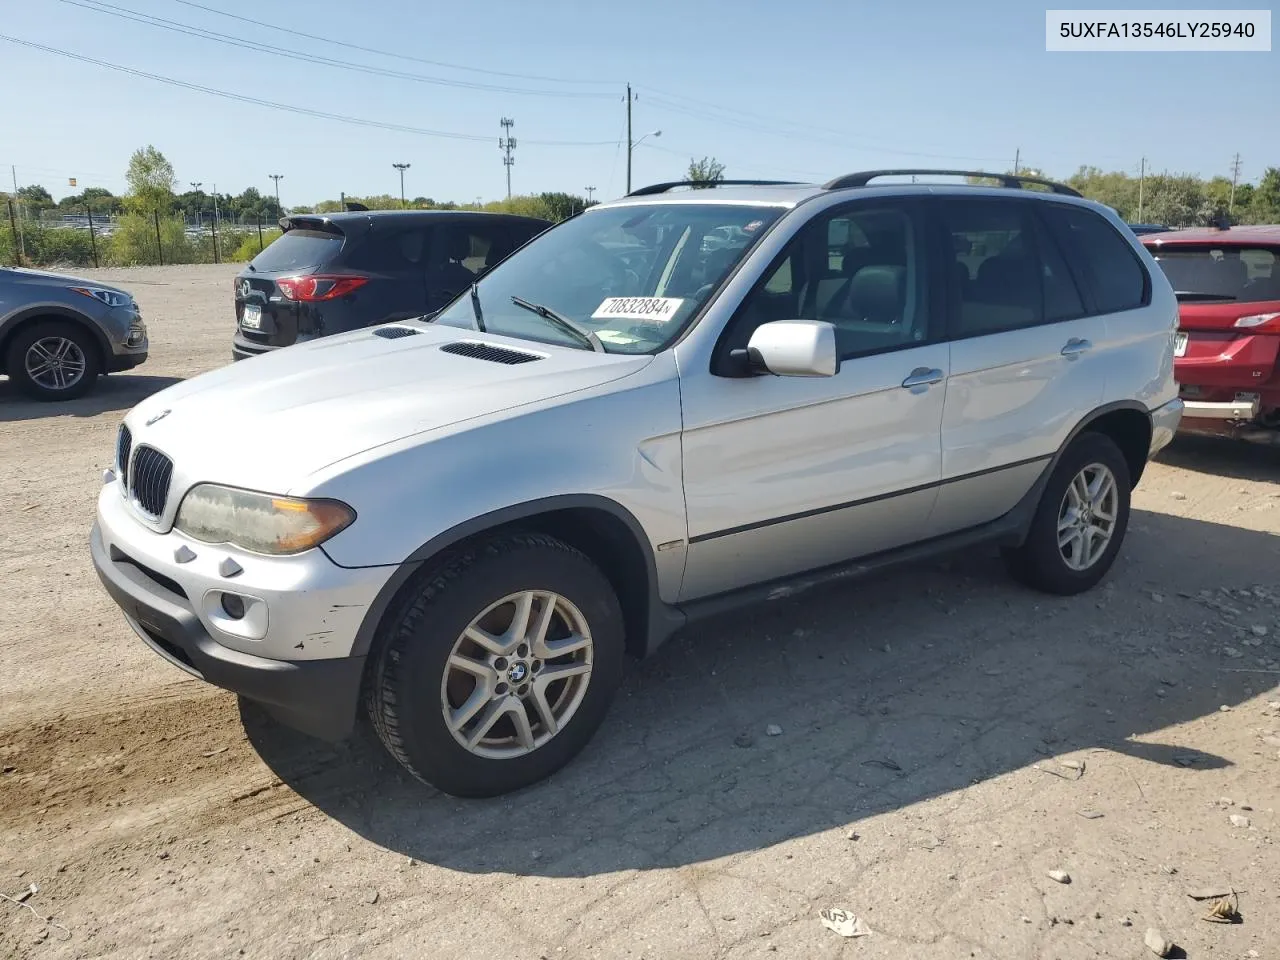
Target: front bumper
(119,362)
(318,697)
(294,658)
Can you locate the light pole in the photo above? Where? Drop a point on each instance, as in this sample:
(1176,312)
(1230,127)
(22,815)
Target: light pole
(591,195)
(402,167)
(196,185)
(631,145)
(277,177)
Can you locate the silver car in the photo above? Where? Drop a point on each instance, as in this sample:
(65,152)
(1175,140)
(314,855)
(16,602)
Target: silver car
(58,334)
(462,524)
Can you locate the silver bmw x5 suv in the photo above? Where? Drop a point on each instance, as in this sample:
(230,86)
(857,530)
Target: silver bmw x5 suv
(674,402)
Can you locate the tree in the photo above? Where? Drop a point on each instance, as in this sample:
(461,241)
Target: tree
(708,170)
(35,198)
(97,199)
(562,206)
(151,181)
(1264,201)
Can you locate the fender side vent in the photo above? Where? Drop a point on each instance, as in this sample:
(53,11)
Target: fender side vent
(487,351)
(394,333)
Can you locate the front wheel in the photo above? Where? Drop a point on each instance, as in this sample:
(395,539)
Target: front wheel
(498,669)
(1080,522)
(53,360)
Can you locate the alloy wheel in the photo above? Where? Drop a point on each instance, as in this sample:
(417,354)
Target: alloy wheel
(517,674)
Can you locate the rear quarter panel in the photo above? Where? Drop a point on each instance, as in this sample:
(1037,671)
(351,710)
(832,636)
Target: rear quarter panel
(1137,359)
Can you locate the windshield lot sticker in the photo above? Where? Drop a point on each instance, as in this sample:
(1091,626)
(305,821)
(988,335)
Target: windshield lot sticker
(652,309)
(617,337)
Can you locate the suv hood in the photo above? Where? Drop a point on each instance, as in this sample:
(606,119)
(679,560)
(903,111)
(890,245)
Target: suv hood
(62,280)
(268,422)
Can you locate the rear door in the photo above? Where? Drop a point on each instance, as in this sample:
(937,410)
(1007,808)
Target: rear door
(393,260)
(1024,362)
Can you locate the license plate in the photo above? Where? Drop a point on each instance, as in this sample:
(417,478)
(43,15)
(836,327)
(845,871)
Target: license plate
(251,319)
(1179,344)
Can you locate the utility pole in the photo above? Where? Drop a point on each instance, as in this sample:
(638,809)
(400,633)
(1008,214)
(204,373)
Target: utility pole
(215,221)
(1235,176)
(277,177)
(196,185)
(1142,177)
(1017,158)
(402,167)
(629,143)
(507,143)
(591,195)
(22,238)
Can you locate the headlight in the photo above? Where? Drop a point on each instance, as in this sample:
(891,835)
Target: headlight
(112,298)
(260,522)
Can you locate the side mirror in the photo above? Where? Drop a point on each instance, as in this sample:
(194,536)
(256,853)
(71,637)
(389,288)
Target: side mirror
(791,348)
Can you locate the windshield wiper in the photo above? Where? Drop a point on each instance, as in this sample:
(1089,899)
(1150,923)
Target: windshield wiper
(563,322)
(1193,295)
(475,307)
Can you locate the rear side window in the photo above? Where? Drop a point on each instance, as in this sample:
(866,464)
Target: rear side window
(1118,278)
(297,250)
(997,275)
(1210,272)
(391,251)
(476,247)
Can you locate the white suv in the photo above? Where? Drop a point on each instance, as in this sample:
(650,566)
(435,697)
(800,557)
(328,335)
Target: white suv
(464,522)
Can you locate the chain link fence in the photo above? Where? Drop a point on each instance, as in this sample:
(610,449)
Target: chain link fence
(89,239)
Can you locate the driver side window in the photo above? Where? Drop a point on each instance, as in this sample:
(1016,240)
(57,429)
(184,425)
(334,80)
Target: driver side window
(861,269)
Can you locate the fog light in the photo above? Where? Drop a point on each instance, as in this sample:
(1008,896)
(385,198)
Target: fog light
(233,606)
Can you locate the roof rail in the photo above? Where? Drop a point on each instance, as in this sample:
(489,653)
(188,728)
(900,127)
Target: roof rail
(1012,180)
(664,187)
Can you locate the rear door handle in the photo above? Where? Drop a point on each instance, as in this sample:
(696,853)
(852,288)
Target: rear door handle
(1075,346)
(923,376)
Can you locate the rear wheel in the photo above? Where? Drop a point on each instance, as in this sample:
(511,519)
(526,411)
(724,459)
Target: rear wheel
(1080,522)
(497,671)
(53,360)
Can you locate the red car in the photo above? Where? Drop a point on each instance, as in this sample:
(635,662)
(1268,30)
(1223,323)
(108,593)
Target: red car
(1227,350)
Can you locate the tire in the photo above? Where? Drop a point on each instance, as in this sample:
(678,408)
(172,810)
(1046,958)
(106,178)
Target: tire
(413,678)
(1040,562)
(78,358)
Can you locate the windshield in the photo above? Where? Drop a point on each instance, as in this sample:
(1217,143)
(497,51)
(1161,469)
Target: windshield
(297,249)
(1246,274)
(632,275)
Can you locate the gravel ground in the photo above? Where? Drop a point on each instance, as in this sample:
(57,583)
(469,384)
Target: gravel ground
(946,740)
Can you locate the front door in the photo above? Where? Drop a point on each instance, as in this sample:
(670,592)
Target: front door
(788,474)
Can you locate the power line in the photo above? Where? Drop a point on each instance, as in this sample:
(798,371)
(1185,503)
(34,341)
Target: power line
(124,13)
(293,32)
(757,123)
(305,111)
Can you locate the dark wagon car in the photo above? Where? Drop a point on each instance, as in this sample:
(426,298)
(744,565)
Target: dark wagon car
(329,273)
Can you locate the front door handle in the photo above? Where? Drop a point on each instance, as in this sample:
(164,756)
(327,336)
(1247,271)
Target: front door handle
(1075,346)
(923,376)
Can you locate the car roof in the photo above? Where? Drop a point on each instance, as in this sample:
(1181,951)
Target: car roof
(1233,236)
(789,195)
(375,218)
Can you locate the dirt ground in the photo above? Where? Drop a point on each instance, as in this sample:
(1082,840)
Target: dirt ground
(947,739)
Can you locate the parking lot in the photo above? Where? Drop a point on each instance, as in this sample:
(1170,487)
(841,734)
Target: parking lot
(918,779)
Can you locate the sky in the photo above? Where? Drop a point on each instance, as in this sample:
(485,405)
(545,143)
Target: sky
(807,89)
